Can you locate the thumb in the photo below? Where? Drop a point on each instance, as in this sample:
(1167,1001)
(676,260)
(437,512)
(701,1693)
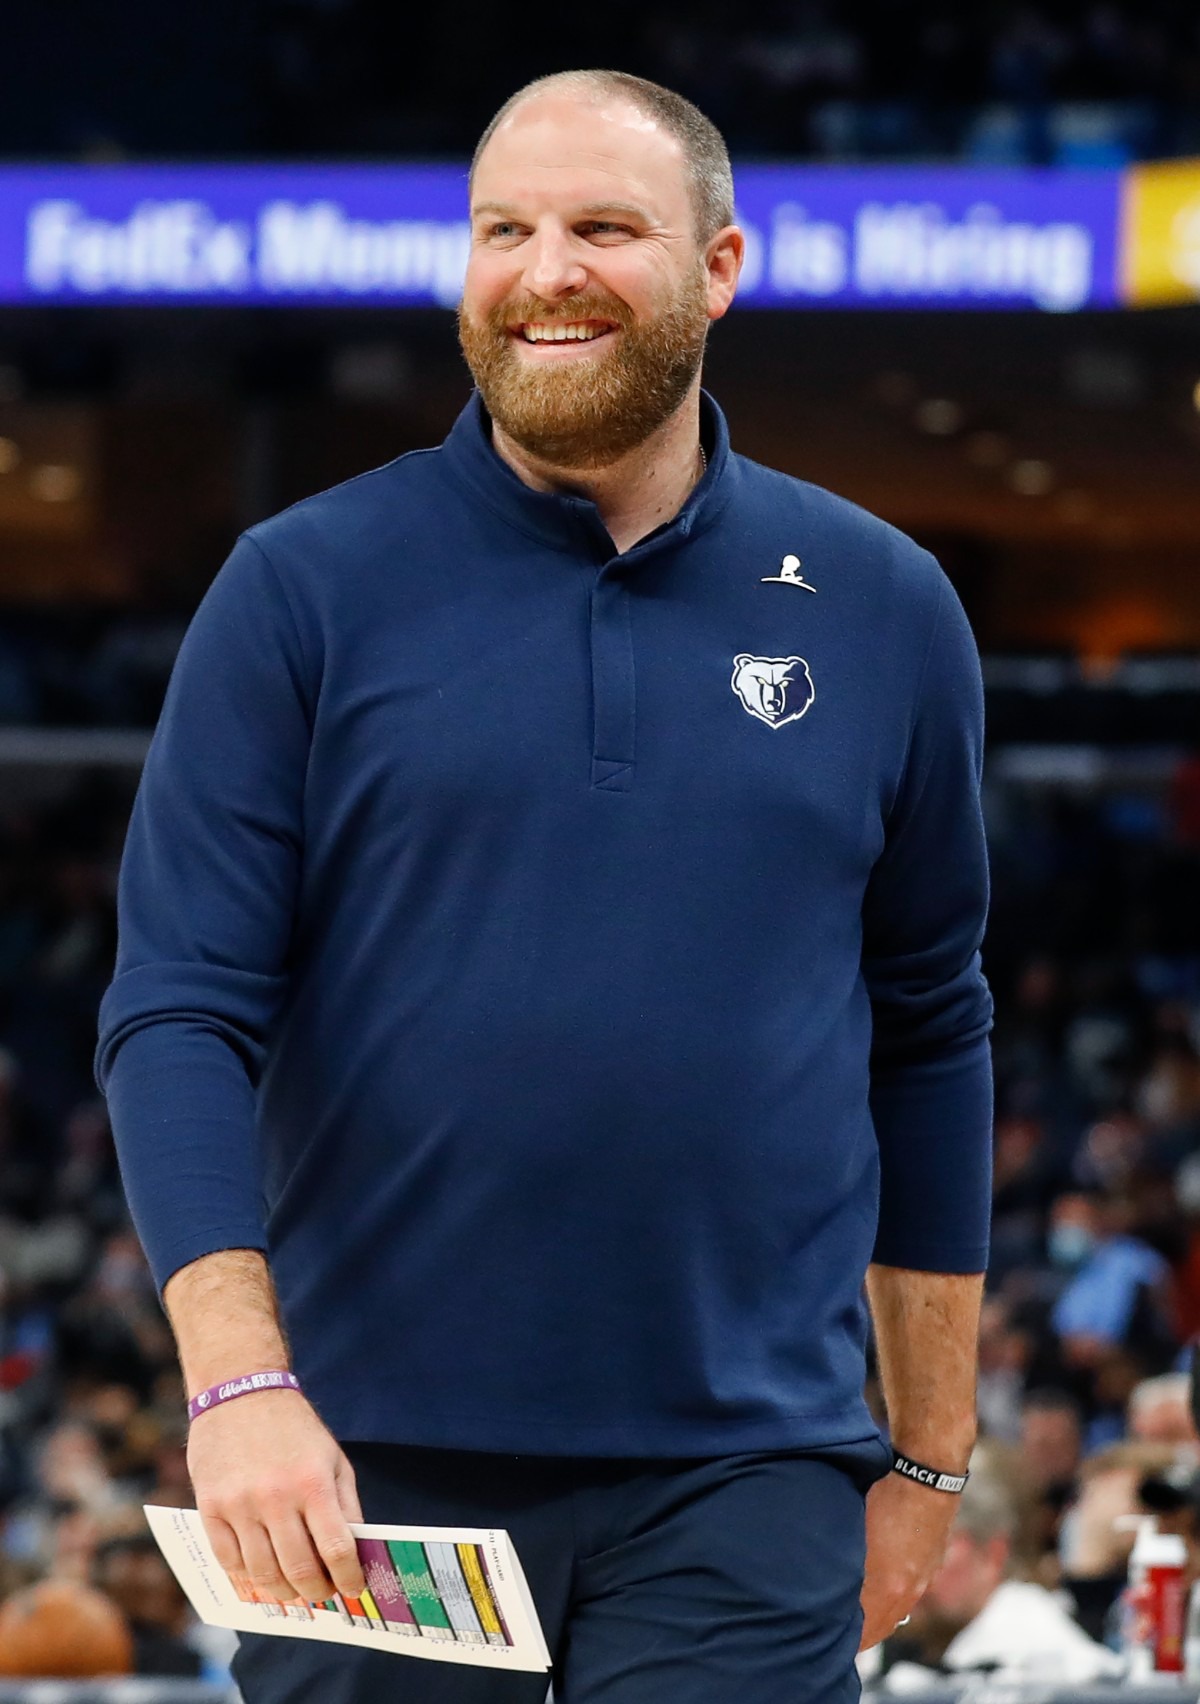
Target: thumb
(347,1491)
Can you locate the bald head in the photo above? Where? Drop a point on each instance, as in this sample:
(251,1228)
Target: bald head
(702,152)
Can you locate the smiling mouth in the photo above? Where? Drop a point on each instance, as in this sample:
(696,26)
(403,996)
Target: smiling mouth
(563,331)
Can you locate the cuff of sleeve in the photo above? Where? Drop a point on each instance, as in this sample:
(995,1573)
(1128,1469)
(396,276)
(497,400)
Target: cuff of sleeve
(165,1262)
(966,1259)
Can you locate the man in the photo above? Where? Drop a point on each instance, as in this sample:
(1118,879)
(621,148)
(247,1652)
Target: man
(1051,1449)
(1095,1538)
(132,1571)
(973,1616)
(1051,1440)
(567,842)
(1160,1411)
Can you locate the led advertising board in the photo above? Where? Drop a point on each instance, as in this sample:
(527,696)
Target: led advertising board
(397,235)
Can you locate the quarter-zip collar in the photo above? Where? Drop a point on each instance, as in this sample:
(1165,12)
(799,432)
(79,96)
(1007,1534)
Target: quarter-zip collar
(567,523)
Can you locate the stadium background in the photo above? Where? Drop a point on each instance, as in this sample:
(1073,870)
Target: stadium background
(1051,458)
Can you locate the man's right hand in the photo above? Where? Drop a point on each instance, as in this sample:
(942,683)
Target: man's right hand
(275,1492)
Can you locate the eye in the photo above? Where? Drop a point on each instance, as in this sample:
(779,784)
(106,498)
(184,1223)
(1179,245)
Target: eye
(607,228)
(501,230)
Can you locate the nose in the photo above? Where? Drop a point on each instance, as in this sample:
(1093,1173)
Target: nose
(553,267)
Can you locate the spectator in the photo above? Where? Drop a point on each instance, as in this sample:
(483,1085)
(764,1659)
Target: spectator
(172,1485)
(1109,1272)
(1023,1186)
(132,1572)
(71,1468)
(1051,1439)
(1003,1363)
(1172,1496)
(71,1541)
(1160,1411)
(1051,1451)
(1093,1549)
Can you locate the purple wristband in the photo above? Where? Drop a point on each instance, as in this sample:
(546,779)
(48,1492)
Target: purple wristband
(215,1395)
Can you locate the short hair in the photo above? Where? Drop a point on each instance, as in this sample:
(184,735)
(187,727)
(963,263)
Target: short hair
(1165,1387)
(987,1508)
(1050,1399)
(706,158)
(125,1544)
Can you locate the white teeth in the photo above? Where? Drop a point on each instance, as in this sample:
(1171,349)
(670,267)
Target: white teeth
(572,333)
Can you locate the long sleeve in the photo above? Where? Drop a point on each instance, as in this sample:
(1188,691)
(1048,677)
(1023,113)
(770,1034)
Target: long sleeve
(924,915)
(206,904)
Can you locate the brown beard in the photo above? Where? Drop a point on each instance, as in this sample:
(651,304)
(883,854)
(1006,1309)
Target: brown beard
(588,413)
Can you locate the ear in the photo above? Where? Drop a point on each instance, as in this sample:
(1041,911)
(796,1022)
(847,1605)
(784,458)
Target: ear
(723,259)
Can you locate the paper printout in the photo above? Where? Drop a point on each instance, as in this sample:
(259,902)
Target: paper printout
(455,1595)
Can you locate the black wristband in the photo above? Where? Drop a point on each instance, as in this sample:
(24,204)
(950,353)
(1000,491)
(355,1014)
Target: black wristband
(928,1476)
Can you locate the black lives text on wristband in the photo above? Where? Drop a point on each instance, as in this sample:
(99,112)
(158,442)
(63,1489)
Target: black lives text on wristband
(929,1476)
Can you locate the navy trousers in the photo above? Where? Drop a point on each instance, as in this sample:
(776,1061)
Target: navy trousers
(732,1580)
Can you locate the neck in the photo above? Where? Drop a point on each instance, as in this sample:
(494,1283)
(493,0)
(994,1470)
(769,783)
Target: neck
(638,492)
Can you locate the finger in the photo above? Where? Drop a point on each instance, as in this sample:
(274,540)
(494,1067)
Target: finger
(872,1634)
(347,1491)
(882,1613)
(225,1546)
(335,1543)
(262,1564)
(302,1566)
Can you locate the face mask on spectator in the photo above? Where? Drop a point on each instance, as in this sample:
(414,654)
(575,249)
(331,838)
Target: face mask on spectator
(1069,1245)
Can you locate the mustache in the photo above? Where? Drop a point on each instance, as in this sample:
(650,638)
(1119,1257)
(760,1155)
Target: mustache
(594,305)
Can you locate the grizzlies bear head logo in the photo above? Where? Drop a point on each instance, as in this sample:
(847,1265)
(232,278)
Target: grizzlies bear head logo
(775,689)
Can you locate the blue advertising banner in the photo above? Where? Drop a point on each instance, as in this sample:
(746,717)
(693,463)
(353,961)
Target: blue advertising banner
(820,237)
(841,237)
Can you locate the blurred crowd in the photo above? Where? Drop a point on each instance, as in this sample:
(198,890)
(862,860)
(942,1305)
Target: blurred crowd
(1093,1294)
(1089,80)
(855,79)
(91,1417)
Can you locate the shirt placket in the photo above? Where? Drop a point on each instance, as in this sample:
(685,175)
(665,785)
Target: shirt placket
(614,686)
(610,613)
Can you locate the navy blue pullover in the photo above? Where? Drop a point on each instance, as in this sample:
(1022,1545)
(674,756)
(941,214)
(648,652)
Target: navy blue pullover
(564,963)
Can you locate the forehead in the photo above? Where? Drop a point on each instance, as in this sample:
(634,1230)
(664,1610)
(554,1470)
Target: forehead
(557,149)
(1049,1420)
(1073,1209)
